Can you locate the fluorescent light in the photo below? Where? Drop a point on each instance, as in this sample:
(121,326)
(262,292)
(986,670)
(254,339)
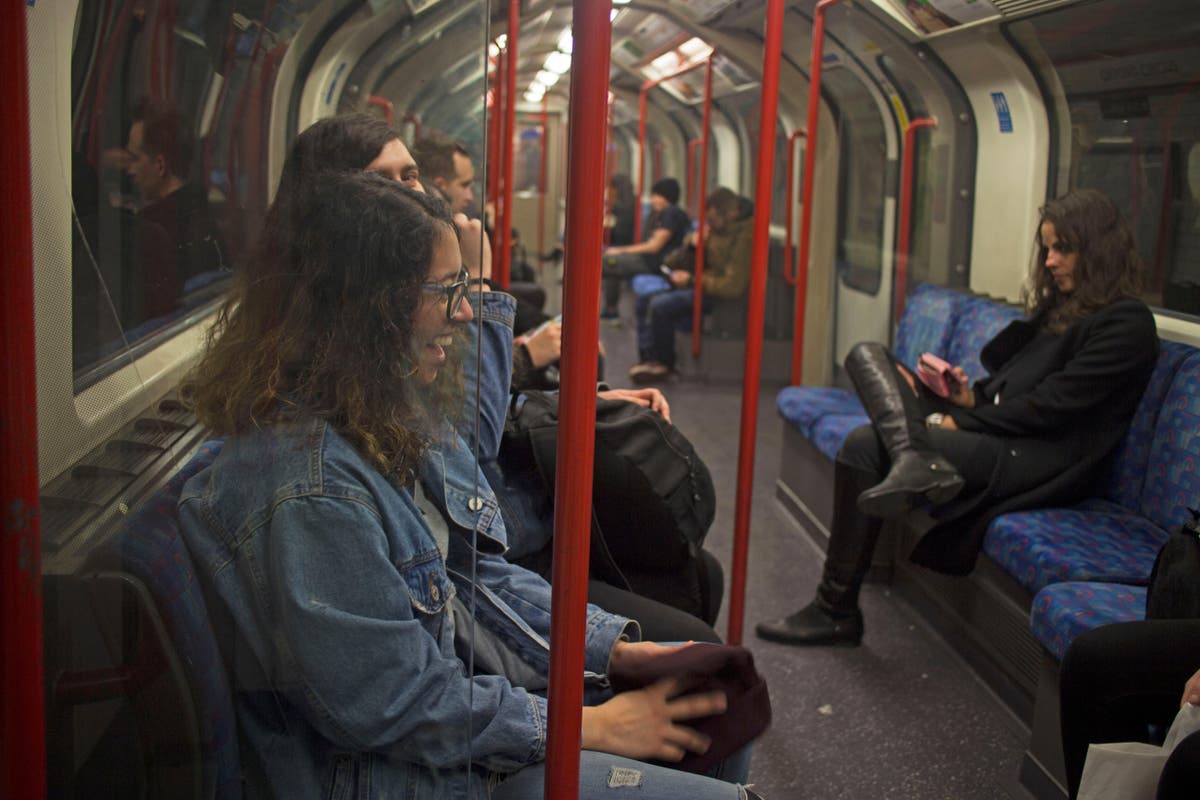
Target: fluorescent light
(565,42)
(558,62)
(493,50)
(612,15)
(502,40)
(546,78)
(534,97)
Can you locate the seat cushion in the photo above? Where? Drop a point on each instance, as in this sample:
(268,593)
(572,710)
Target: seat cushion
(803,406)
(832,429)
(1062,611)
(1096,540)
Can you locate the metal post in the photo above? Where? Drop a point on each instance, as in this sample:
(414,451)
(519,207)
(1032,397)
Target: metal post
(757,301)
(906,181)
(506,145)
(576,443)
(23,736)
(810,157)
(702,227)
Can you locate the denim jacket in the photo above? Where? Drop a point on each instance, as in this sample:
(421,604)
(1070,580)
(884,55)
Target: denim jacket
(333,608)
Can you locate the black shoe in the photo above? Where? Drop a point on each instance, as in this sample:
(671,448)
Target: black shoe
(813,625)
(914,478)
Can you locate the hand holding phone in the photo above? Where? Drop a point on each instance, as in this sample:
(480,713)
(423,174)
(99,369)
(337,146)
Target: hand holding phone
(937,374)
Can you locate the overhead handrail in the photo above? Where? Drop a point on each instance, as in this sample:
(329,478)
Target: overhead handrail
(810,156)
(701,213)
(641,163)
(756,305)
(504,224)
(906,182)
(389,111)
(790,268)
(592,32)
(23,729)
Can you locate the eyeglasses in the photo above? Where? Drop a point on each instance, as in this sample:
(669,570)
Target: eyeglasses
(455,292)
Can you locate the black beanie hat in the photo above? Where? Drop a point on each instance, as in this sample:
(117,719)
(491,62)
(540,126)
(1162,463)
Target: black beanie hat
(667,188)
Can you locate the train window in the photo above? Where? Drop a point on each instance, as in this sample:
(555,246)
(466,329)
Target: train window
(1130,112)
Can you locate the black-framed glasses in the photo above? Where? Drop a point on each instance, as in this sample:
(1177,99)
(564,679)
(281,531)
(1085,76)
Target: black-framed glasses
(455,292)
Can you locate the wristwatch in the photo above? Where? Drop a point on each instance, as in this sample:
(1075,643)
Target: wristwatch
(934,420)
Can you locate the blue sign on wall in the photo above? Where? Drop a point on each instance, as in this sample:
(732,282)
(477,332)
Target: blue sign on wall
(1002,112)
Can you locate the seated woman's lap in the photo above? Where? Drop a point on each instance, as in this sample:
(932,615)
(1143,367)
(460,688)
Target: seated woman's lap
(602,775)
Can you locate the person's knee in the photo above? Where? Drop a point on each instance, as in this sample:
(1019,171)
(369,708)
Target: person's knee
(862,450)
(864,351)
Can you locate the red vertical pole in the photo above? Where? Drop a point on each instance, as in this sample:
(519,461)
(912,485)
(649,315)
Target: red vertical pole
(692,147)
(906,181)
(641,163)
(754,319)
(23,737)
(810,157)
(702,228)
(576,443)
(493,145)
(506,144)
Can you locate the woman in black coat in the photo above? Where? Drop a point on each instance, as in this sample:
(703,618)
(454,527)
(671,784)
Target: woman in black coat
(1062,388)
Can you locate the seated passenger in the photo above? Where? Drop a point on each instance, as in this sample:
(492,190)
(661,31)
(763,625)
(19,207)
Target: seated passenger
(730,235)
(1062,389)
(1118,680)
(346,538)
(622,210)
(159,161)
(665,228)
(362,141)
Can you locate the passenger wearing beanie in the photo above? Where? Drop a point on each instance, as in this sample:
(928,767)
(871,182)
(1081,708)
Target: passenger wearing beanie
(664,231)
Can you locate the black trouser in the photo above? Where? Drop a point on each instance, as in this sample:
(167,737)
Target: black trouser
(1116,681)
(619,268)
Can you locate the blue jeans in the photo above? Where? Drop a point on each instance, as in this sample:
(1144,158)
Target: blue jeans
(604,776)
(658,318)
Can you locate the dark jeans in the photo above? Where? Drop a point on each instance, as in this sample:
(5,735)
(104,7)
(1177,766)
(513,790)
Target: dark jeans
(658,317)
(620,268)
(1116,681)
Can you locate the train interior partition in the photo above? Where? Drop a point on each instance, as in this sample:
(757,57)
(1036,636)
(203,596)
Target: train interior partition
(1004,106)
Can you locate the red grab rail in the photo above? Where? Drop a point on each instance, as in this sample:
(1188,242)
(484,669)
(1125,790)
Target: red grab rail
(389,111)
(576,442)
(810,158)
(701,212)
(544,120)
(504,223)
(23,731)
(692,181)
(757,301)
(791,269)
(906,181)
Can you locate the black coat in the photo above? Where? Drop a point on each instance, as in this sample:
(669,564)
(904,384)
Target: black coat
(1065,404)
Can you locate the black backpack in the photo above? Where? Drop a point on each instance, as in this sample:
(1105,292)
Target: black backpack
(652,495)
(1174,591)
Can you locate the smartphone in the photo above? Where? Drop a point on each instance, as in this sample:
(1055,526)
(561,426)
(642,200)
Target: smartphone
(937,374)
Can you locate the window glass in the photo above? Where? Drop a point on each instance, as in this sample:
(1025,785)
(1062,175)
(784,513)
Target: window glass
(1129,74)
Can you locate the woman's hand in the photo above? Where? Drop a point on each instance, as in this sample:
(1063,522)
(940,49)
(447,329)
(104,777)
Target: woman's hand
(646,398)
(961,393)
(544,346)
(1191,691)
(476,249)
(679,278)
(642,724)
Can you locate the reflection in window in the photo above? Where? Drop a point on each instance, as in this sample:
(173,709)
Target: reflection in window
(1130,79)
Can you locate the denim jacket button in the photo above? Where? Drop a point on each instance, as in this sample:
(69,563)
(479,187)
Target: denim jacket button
(434,591)
(475,503)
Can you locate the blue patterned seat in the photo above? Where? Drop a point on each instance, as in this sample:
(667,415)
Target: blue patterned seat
(1062,611)
(149,547)
(926,325)
(977,321)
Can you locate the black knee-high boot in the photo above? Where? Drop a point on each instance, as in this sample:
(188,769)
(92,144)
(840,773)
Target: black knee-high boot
(917,472)
(833,616)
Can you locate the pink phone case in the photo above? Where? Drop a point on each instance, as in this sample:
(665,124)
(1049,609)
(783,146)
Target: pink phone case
(936,373)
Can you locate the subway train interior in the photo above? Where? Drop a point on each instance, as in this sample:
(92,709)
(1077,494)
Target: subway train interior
(932,133)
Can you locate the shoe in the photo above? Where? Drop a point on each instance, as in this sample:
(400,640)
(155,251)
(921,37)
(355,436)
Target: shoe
(653,371)
(638,369)
(812,625)
(918,473)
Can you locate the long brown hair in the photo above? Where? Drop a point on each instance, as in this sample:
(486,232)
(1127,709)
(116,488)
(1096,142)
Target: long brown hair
(320,322)
(1107,265)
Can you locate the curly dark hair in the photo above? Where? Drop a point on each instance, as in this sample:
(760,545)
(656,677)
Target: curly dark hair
(320,322)
(1107,266)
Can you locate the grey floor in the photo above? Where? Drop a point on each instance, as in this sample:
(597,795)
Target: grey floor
(899,717)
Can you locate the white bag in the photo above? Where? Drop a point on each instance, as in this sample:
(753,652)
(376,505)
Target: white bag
(1130,770)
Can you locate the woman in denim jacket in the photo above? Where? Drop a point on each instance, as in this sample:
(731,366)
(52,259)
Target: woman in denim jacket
(345,535)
